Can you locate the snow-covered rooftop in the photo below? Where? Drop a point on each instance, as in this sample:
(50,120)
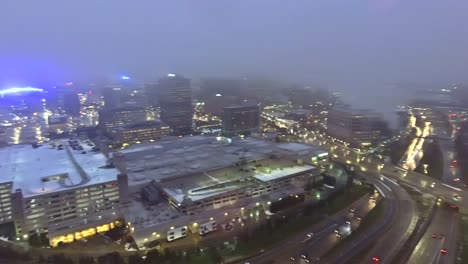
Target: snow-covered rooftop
(189,155)
(207,184)
(298,147)
(46,169)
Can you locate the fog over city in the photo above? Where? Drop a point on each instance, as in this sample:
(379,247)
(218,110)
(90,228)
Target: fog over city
(220,131)
(352,46)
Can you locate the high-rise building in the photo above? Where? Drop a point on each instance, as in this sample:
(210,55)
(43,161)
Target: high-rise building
(175,100)
(357,127)
(112,118)
(300,97)
(151,93)
(214,104)
(113,96)
(241,120)
(65,98)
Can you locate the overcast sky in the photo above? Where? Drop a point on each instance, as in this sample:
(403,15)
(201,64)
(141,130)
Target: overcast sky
(328,41)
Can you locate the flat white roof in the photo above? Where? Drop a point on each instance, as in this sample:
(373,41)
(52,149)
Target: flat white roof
(294,146)
(281,173)
(31,169)
(188,155)
(176,157)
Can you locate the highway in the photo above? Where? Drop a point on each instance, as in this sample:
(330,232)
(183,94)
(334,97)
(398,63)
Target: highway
(368,163)
(388,237)
(403,224)
(324,236)
(446,223)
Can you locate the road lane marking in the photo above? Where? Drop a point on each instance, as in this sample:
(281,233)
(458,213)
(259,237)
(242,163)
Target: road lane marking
(451,187)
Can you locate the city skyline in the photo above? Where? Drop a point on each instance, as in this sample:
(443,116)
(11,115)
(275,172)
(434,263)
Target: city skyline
(223,132)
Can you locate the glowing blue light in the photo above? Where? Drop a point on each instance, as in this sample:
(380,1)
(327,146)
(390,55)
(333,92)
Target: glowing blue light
(171,75)
(124,77)
(20,90)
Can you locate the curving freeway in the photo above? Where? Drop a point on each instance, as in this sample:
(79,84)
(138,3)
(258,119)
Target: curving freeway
(440,235)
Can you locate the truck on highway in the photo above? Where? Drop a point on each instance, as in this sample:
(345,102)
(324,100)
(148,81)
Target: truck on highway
(176,233)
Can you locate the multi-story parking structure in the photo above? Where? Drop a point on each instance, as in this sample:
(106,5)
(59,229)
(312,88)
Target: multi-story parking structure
(66,189)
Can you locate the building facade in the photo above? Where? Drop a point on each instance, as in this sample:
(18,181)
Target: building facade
(64,190)
(6,212)
(356,127)
(140,132)
(113,96)
(112,118)
(241,120)
(175,100)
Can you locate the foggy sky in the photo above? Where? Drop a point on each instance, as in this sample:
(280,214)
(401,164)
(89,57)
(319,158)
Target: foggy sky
(339,43)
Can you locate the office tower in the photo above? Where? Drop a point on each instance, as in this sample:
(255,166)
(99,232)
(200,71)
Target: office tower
(300,97)
(65,98)
(357,127)
(113,96)
(214,104)
(241,120)
(71,103)
(175,100)
(112,118)
(140,132)
(151,93)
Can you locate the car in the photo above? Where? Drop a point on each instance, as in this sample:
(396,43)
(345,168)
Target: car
(292,258)
(434,236)
(348,223)
(376,259)
(305,255)
(310,235)
(453,206)
(443,251)
(441,237)
(358,218)
(352,210)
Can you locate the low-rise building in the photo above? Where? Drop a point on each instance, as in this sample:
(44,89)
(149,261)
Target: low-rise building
(233,185)
(201,178)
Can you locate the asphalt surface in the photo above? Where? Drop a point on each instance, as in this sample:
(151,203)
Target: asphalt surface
(388,245)
(428,250)
(324,237)
(365,240)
